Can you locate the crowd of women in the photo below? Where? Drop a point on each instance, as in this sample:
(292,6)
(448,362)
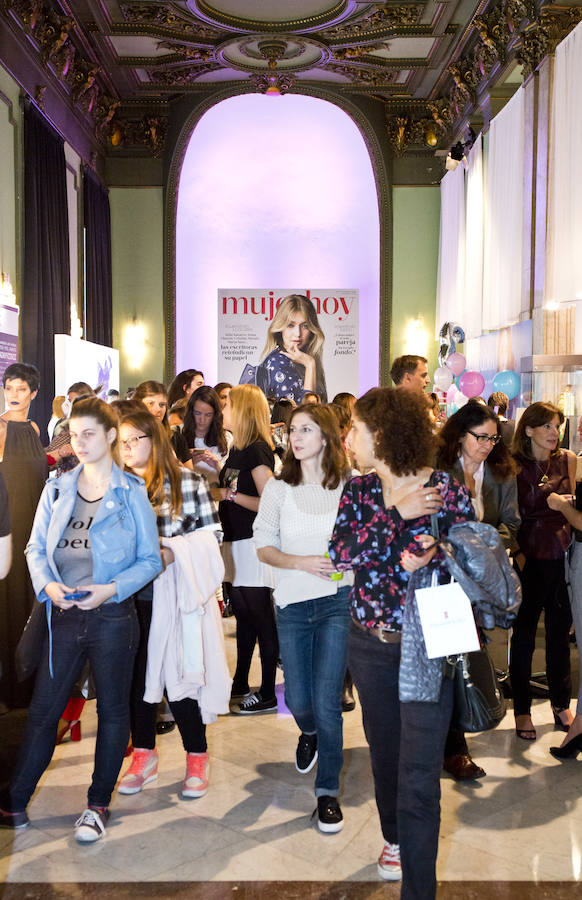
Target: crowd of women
(168,499)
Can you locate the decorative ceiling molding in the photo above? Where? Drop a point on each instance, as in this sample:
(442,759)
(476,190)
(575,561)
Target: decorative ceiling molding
(336,12)
(430,76)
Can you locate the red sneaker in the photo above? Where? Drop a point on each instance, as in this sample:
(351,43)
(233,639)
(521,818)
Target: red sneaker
(143,769)
(389,867)
(196,780)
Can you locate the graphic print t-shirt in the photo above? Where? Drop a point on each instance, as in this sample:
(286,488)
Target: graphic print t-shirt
(74,556)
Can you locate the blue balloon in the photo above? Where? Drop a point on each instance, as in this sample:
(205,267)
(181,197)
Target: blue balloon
(507,382)
(456,379)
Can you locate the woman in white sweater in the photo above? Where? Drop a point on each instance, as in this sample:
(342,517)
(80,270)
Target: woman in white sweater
(291,532)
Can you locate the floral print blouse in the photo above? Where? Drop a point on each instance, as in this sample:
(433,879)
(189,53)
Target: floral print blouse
(278,376)
(370,538)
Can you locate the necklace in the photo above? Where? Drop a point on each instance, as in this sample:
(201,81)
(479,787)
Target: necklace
(544,479)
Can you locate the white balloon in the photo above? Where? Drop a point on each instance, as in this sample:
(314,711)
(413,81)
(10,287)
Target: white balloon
(443,378)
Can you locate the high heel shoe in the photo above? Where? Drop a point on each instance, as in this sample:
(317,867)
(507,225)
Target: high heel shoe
(572,748)
(74,726)
(558,724)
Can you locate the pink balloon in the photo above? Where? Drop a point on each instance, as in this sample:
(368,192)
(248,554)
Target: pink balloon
(471,383)
(456,362)
(452,393)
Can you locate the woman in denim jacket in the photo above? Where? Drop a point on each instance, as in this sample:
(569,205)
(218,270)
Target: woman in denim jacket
(94,543)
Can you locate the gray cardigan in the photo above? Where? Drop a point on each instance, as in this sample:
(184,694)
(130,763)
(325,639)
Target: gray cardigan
(499,503)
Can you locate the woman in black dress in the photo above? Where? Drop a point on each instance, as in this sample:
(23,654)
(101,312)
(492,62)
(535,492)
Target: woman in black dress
(23,466)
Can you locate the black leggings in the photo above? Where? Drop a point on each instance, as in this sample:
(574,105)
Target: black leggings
(544,589)
(143,715)
(255,618)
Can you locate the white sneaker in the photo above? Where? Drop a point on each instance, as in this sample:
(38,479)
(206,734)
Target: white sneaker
(389,867)
(90,826)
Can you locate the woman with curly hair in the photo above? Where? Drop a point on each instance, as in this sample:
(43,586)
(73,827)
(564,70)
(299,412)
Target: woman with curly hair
(296,516)
(471,448)
(291,362)
(382,532)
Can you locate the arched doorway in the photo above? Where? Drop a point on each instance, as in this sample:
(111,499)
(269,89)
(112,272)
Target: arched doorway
(274,192)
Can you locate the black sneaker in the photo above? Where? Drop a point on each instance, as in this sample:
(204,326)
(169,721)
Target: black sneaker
(90,826)
(254,704)
(14,820)
(306,753)
(329,815)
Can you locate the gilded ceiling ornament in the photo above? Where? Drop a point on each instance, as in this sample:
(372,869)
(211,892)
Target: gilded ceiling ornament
(365,76)
(39,96)
(182,76)
(201,54)
(271,83)
(53,37)
(357,52)
(442,116)
(105,111)
(165,15)
(544,34)
(30,12)
(382,18)
(149,131)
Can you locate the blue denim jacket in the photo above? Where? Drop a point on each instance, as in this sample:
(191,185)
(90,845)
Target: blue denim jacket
(124,535)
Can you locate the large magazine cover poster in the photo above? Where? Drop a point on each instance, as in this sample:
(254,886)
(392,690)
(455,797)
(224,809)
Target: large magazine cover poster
(289,341)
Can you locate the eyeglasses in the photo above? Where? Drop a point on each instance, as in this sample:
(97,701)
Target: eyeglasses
(131,443)
(482,438)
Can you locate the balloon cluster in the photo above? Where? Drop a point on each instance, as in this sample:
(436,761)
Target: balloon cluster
(452,377)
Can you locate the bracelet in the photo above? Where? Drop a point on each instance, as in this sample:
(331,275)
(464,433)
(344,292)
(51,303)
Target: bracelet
(232,496)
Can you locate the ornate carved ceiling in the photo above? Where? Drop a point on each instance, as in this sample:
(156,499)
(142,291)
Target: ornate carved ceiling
(429,62)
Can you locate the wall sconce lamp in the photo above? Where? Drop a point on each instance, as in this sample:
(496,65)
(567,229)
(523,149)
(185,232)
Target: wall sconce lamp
(134,343)
(416,339)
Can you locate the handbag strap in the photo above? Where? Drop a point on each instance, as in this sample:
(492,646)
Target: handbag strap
(434,526)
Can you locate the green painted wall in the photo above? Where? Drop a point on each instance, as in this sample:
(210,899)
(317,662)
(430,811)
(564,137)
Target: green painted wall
(137,230)
(10,132)
(416,226)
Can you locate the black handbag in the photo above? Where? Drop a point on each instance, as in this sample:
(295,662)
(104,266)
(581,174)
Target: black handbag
(29,647)
(479,704)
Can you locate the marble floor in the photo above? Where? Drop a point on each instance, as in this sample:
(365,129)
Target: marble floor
(520,825)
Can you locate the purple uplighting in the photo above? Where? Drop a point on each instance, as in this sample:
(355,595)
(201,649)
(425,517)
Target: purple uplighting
(274,191)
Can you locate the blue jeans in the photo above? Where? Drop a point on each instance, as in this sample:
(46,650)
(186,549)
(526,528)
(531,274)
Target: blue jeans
(313,638)
(406,743)
(107,637)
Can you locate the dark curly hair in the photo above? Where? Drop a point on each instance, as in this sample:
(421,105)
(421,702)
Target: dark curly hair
(216,436)
(402,430)
(468,417)
(540,413)
(334,463)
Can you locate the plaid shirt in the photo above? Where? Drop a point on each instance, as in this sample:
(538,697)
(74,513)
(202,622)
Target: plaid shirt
(198,508)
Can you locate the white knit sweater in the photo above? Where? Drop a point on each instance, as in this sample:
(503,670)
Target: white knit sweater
(298,520)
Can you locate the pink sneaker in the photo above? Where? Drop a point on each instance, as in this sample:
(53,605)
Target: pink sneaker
(196,781)
(389,867)
(143,769)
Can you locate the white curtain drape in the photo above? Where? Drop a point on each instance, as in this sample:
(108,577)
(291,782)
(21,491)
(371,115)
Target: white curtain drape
(503,235)
(472,315)
(564,221)
(451,271)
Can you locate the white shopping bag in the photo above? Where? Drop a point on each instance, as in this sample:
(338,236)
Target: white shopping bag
(447,619)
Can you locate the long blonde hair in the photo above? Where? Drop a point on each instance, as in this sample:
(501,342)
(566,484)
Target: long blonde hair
(298,303)
(249,416)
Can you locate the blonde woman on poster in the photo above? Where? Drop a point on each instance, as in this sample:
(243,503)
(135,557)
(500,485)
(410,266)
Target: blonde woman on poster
(291,362)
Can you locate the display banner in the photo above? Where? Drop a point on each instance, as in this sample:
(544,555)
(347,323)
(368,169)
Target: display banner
(8,336)
(78,360)
(289,341)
